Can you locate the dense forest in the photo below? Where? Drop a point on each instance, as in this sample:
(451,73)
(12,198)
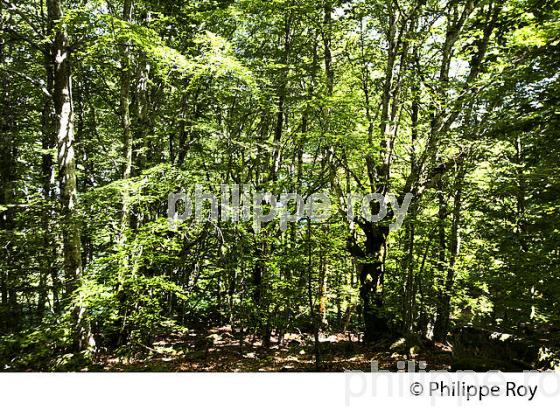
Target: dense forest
(108,107)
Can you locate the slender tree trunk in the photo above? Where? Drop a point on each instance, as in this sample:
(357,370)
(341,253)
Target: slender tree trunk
(441,263)
(410,288)
(441,326)
(9,310)
(282,91)
(322,294)
(521,222)
(63,104)
(126,122)
(48,132)
(385,128)
(315,320)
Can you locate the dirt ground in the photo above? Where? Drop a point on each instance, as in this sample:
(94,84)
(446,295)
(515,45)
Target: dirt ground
(220,351)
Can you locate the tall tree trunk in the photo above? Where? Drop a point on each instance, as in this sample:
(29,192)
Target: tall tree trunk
(385,126)
(411,282)
(48,134)
(312,307)
(9,310)
(126,123)
(322,294)
(66,151)
(441,326)
(63,104)
(439,330)
(282,91)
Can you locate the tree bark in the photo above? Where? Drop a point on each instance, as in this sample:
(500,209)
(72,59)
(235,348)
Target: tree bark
(441,326)
(370,275)
(9,310)
(48,135)
(64,109)
(126,123)
(282,91)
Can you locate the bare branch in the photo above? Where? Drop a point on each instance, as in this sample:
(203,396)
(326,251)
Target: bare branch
(38,83)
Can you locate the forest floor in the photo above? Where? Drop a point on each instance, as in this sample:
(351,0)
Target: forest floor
(219,351)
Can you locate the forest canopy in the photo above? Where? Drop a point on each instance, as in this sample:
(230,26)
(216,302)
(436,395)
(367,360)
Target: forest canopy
(110,106)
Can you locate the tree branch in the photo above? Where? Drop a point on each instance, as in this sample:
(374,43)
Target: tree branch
(38,83)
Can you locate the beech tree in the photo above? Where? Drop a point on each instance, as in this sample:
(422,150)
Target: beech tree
(109,106)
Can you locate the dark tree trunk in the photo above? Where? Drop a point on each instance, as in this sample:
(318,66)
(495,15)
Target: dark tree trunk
(48,131)
(9,310)
(370,275)
(441,326)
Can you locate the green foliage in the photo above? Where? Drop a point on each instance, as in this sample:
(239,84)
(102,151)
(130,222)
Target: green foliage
(284,96)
